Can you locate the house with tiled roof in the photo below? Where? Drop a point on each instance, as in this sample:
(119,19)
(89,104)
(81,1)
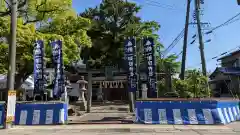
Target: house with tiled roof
(225,80)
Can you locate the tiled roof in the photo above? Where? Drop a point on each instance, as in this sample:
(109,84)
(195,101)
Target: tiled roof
(226,71)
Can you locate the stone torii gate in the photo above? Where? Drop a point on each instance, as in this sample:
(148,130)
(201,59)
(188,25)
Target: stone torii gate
(89,85)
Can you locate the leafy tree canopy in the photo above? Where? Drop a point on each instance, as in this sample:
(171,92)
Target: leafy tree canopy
(114,20)
(58,21)
(36,10)
(168,62)
(194,86)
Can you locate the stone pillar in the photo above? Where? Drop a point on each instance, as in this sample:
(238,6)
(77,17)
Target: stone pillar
(83,99)
(100,94)
(89,92)
(144,91)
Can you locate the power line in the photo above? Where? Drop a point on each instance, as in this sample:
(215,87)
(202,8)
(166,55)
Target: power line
(192,43)
(179,53)
(225,53)
(160,5)
(182,51)
(220,55)
(180,35)
(229,21)
(174,43)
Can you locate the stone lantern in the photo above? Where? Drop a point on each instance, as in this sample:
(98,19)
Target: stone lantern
(82,90)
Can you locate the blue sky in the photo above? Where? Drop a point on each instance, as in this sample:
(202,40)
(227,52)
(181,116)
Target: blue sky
(171,16)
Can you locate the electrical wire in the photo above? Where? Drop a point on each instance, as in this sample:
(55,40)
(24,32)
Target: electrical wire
(194,36)
(158,4)
(179,54)
(182,51)
(229,21)
(220,55)
(179,36)
(174,43)
(161,4)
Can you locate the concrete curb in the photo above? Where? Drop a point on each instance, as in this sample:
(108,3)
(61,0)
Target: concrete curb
(126,127)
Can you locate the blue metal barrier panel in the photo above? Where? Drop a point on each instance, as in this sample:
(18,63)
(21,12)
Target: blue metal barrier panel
(1,113)
(187,112)
(47,113)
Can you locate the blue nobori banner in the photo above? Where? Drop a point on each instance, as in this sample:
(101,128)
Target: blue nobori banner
(58,88)
(151,64)
(38,54)
(129,51)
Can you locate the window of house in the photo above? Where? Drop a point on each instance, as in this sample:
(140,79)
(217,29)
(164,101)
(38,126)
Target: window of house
(236,63)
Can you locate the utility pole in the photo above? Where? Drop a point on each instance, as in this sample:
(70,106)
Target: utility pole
(185,41)
(201,44)
(11,98)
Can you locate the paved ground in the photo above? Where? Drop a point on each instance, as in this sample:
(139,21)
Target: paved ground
(102,114)
(114,120)
(102,118)
(126,129)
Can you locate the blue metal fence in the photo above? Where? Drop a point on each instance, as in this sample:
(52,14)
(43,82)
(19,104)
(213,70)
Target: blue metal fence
(1,113)
(39,113)
(187,112)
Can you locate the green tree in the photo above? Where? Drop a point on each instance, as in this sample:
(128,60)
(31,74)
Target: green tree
(36,10)
(169,61)
(198,83)
(72,29)
(60,26)
(194,85)
(114,20)
(167,67)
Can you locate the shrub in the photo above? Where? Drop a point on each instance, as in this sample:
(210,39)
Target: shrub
(195,85)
